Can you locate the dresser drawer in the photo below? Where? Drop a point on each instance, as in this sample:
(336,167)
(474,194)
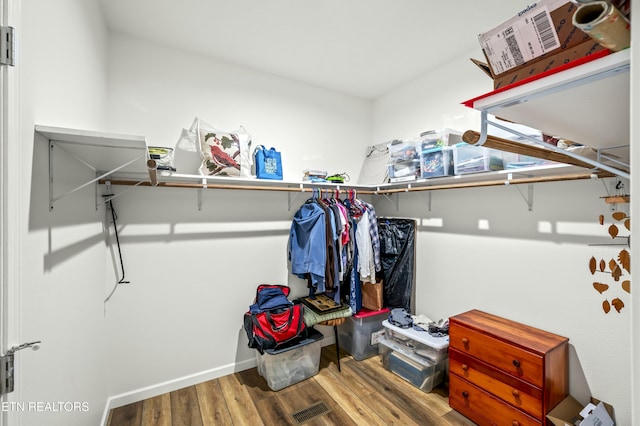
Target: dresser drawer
(478,405)
(513,360)
(515,392)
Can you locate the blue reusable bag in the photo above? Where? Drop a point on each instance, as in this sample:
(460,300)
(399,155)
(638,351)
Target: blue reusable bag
(268,163)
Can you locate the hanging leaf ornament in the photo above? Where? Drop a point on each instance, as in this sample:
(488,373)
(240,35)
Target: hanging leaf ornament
(627,224)
(601,287)
(618,215)
(616,273)
(613,231)
(626,286)
(618,304)
(625,260)
(606,307)
(601,219)
(603,265)
(592,265)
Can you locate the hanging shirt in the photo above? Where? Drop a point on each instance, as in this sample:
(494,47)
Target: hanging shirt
(366,264)
(375,236)
(307,244)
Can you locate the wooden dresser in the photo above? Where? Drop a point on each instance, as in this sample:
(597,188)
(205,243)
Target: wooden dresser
(503,372)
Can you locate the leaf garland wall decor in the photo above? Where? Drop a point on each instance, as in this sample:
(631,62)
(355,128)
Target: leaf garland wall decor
(615,268)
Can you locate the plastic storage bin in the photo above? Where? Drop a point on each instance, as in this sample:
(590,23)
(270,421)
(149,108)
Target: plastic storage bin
(475,159)
(288,366)
(360,333)
(421,343)
(436,162)
(439,138)
(420,372)
(404,160)
(519,161)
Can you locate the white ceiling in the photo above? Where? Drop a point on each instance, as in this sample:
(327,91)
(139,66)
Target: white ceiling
(359,47)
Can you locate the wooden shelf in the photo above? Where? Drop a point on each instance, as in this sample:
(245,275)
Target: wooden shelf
(122,160)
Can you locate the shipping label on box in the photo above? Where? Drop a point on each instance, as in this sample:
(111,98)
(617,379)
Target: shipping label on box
(507,65)
(528,35)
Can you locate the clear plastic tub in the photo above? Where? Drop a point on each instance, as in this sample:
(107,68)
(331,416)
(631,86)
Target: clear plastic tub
(287,366)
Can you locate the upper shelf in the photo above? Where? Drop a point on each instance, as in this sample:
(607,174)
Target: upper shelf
(123,160)
(104,153)
(587,104)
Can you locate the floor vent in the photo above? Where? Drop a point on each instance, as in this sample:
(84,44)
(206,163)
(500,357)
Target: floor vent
(310,413)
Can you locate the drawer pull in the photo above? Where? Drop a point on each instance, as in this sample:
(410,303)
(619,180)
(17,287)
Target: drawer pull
(465,367)
(465,394)
(515,423)
(516,363)
(465,341)
(515,393)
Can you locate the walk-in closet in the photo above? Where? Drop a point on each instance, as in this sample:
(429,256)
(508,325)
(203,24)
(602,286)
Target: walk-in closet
(131,278)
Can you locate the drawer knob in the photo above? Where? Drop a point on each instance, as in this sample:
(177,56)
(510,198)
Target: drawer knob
(516,363)
(515,423)
(465,394)
(465,341)
(465,367)
(515,393)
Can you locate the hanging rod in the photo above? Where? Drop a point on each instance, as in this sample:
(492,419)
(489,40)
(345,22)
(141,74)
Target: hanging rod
(502,182)
(210,185)
(379,190)
(551,153)
(472,137)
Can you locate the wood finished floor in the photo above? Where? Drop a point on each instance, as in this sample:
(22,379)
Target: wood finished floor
(363,393)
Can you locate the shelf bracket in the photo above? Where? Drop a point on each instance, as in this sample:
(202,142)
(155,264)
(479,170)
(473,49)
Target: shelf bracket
(201,193)
(59,144)
(110,196)
(292,199)
(395,202)
(428,200)
(527,198)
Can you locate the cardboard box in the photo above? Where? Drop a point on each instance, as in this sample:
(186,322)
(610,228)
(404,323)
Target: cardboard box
(567,413)
(538,39)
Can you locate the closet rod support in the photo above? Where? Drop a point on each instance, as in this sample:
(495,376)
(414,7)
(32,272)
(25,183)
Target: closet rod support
(428,201)
(527,198)
(111,195)
(201,193)
(291,199)
(396,202)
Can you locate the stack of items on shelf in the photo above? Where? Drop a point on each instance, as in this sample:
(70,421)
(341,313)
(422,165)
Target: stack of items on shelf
(210,151)
(415,348)
(550,35)
(436,154)
(313,175)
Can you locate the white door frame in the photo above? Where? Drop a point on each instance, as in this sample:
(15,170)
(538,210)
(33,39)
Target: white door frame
(10,201)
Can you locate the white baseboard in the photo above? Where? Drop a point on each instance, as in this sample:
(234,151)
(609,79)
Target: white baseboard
(116,401)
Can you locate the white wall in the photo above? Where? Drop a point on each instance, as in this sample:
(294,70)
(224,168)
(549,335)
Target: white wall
(62,68)
(481,248)
(194,273)
(157,91)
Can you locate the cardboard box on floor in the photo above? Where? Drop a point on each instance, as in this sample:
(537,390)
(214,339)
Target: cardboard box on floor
(547,39)
(567,413)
